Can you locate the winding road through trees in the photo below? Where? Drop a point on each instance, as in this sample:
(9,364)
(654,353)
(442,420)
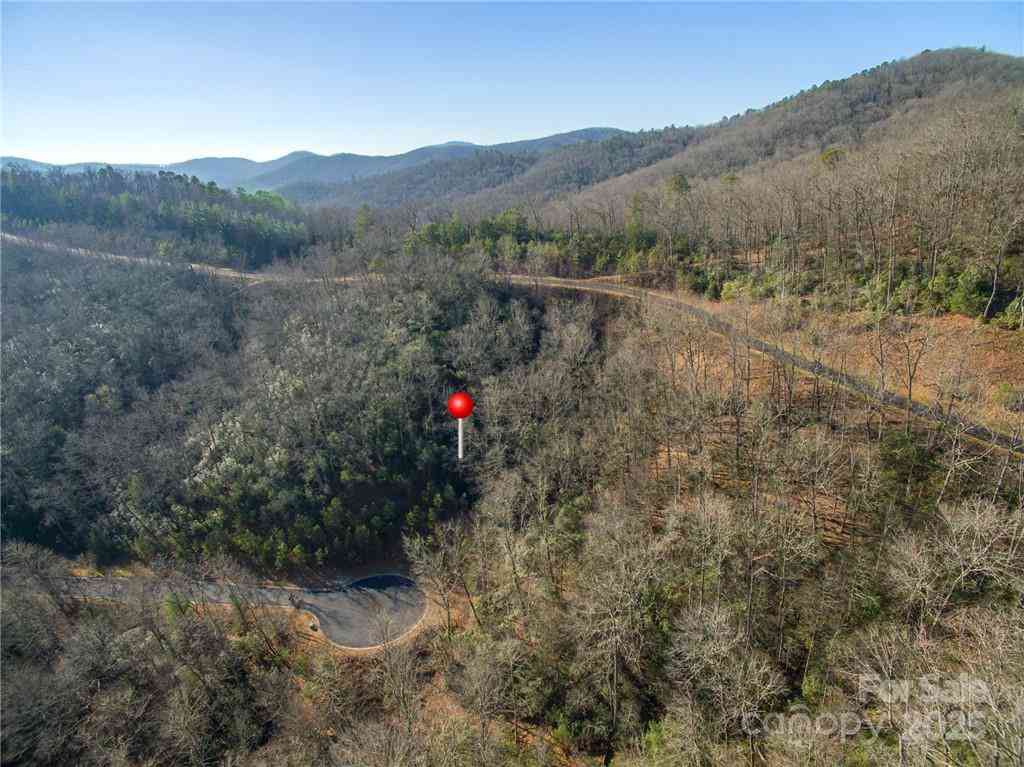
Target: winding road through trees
(348,614)
(601,286)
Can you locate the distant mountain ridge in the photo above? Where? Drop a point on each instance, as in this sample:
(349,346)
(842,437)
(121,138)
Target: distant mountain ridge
(604,175)
(599,170)
(309,167)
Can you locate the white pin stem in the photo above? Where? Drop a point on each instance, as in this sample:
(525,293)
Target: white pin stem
(460,437)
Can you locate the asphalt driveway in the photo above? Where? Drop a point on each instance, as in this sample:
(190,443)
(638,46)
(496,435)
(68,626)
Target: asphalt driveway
(351,615)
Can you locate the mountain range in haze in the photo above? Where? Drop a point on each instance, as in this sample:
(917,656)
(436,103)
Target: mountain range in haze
(605,175)
(602,169)
(309,167)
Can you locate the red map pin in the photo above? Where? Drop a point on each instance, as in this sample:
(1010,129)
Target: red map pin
(460,405)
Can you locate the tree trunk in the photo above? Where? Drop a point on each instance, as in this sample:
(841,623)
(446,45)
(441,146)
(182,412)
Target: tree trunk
(995,284)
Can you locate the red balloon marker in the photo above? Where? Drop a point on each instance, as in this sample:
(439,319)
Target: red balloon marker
(460,405)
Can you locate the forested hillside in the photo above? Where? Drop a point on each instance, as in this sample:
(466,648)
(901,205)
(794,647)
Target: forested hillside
(171,216)
(435,180)
(152,433)
(662,549)
(842,113)
(567,169)
(924,215)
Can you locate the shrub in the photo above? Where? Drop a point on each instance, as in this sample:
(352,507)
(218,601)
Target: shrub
(803,283)
(971,293)
(813,688)
(791,314)
(734,289)
(1010,397)
(906,476)
(764,284)
(938,291)
(872,295)
(1012,318)
(908,294)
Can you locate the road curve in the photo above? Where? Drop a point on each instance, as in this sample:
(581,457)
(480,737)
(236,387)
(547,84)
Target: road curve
(854,384)
(222,272)
(349,615)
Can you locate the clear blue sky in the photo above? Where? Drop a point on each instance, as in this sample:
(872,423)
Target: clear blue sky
(161,83)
